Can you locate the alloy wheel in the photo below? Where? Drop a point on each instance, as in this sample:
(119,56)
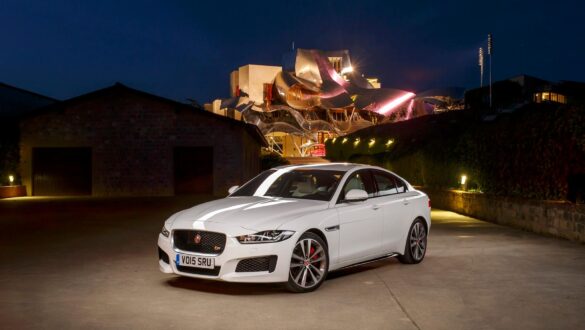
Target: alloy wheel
(308,263)
(418,241)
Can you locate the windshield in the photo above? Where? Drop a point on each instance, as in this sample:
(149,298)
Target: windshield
(250,187)
(300,183)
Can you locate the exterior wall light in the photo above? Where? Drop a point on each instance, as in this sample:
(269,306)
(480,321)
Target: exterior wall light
(390,141)
(463,182)
(344,140)
(357,141)
(372,142)
(334,139)
(11,179)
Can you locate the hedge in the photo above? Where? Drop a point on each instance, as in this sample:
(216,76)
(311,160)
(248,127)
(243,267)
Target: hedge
(533,152)
(270,160)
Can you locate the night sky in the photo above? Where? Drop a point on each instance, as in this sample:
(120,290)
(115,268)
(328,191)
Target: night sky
(186,49)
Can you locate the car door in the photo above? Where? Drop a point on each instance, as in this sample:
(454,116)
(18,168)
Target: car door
(360,222)
(395,201)
(391,196)
(411,199)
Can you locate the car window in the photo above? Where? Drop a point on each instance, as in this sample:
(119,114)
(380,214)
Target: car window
(386,184)
(358,180)
(400,185)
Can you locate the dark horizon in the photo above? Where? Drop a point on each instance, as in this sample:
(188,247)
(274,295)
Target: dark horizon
(186,50)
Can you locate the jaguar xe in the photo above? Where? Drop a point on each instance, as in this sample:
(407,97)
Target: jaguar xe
(294,224)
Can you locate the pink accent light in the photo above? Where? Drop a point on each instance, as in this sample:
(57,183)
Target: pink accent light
(336,77)
(409,110)
(395,103)
(323,63)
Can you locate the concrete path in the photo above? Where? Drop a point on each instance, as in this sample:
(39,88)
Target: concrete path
(91,263)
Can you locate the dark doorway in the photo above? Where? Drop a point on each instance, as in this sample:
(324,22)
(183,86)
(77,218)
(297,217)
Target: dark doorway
(576,193)
(61,171)
(193,170)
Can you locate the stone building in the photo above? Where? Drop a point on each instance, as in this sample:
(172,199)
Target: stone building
(14,104)
(119,141)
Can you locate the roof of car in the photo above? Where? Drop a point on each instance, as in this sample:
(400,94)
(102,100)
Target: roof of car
(327,166)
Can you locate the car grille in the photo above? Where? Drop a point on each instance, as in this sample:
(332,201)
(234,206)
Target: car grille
(261,264)
(210,242)
(163,256)
(199,271)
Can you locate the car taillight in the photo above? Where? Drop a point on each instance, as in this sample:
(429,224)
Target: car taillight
(429,203)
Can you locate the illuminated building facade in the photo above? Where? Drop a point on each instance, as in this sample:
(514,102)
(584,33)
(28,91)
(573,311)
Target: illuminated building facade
(512,93)
(314,96)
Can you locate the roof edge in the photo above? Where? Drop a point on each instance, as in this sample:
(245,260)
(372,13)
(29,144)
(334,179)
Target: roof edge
(2,84)
(250,128)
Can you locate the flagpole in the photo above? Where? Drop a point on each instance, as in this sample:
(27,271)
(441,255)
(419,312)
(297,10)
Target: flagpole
(481,67)
(490,52)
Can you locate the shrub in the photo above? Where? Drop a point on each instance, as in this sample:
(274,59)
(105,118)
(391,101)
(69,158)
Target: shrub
(270,160)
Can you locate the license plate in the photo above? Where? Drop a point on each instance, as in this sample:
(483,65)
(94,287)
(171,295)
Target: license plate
(195,261)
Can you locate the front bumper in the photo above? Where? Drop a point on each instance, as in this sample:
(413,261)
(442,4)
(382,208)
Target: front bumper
(228,260)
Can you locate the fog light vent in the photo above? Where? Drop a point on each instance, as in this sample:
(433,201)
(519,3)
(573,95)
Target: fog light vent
(163,256)
(261,264)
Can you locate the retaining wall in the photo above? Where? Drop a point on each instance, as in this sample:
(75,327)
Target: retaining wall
(559,219)
(12,191)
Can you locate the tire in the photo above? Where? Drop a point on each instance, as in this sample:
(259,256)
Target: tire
(416,243)
(308,270)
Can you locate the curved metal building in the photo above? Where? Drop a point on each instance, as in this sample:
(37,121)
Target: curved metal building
(315,95)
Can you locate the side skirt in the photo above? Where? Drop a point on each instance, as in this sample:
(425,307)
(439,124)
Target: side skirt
(388,256)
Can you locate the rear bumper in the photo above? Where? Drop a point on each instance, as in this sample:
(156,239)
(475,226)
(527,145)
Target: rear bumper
(228,260)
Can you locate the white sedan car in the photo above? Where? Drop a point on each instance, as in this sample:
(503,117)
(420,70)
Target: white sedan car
(295,224)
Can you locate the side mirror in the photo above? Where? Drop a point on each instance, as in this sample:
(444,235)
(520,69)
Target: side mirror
(233,189)
(356,195)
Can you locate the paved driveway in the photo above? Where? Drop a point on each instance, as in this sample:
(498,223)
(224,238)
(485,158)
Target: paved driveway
(91,263)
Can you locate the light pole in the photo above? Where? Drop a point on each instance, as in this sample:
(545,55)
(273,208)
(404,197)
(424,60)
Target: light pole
(490,52)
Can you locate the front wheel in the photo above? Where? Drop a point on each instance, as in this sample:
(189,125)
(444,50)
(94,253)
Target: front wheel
(416,244)
(309,264)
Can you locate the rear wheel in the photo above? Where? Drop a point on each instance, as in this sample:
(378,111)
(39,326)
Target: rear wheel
(309,264)
(416,243)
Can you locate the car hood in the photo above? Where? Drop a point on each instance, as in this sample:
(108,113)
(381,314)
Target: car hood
(249,212)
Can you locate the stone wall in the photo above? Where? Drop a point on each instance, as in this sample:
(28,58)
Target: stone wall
(559,219)
(12,191)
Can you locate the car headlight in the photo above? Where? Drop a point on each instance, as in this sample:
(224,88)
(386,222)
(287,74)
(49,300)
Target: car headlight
(165,232)
(268,236)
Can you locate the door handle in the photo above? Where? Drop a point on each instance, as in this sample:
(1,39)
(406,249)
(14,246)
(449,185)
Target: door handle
(375,206)
(405,201)
(332,228)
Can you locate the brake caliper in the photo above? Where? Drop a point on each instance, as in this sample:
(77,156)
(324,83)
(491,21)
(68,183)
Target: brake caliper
(311,253)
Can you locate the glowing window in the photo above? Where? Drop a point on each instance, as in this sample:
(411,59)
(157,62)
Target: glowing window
(336,63)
